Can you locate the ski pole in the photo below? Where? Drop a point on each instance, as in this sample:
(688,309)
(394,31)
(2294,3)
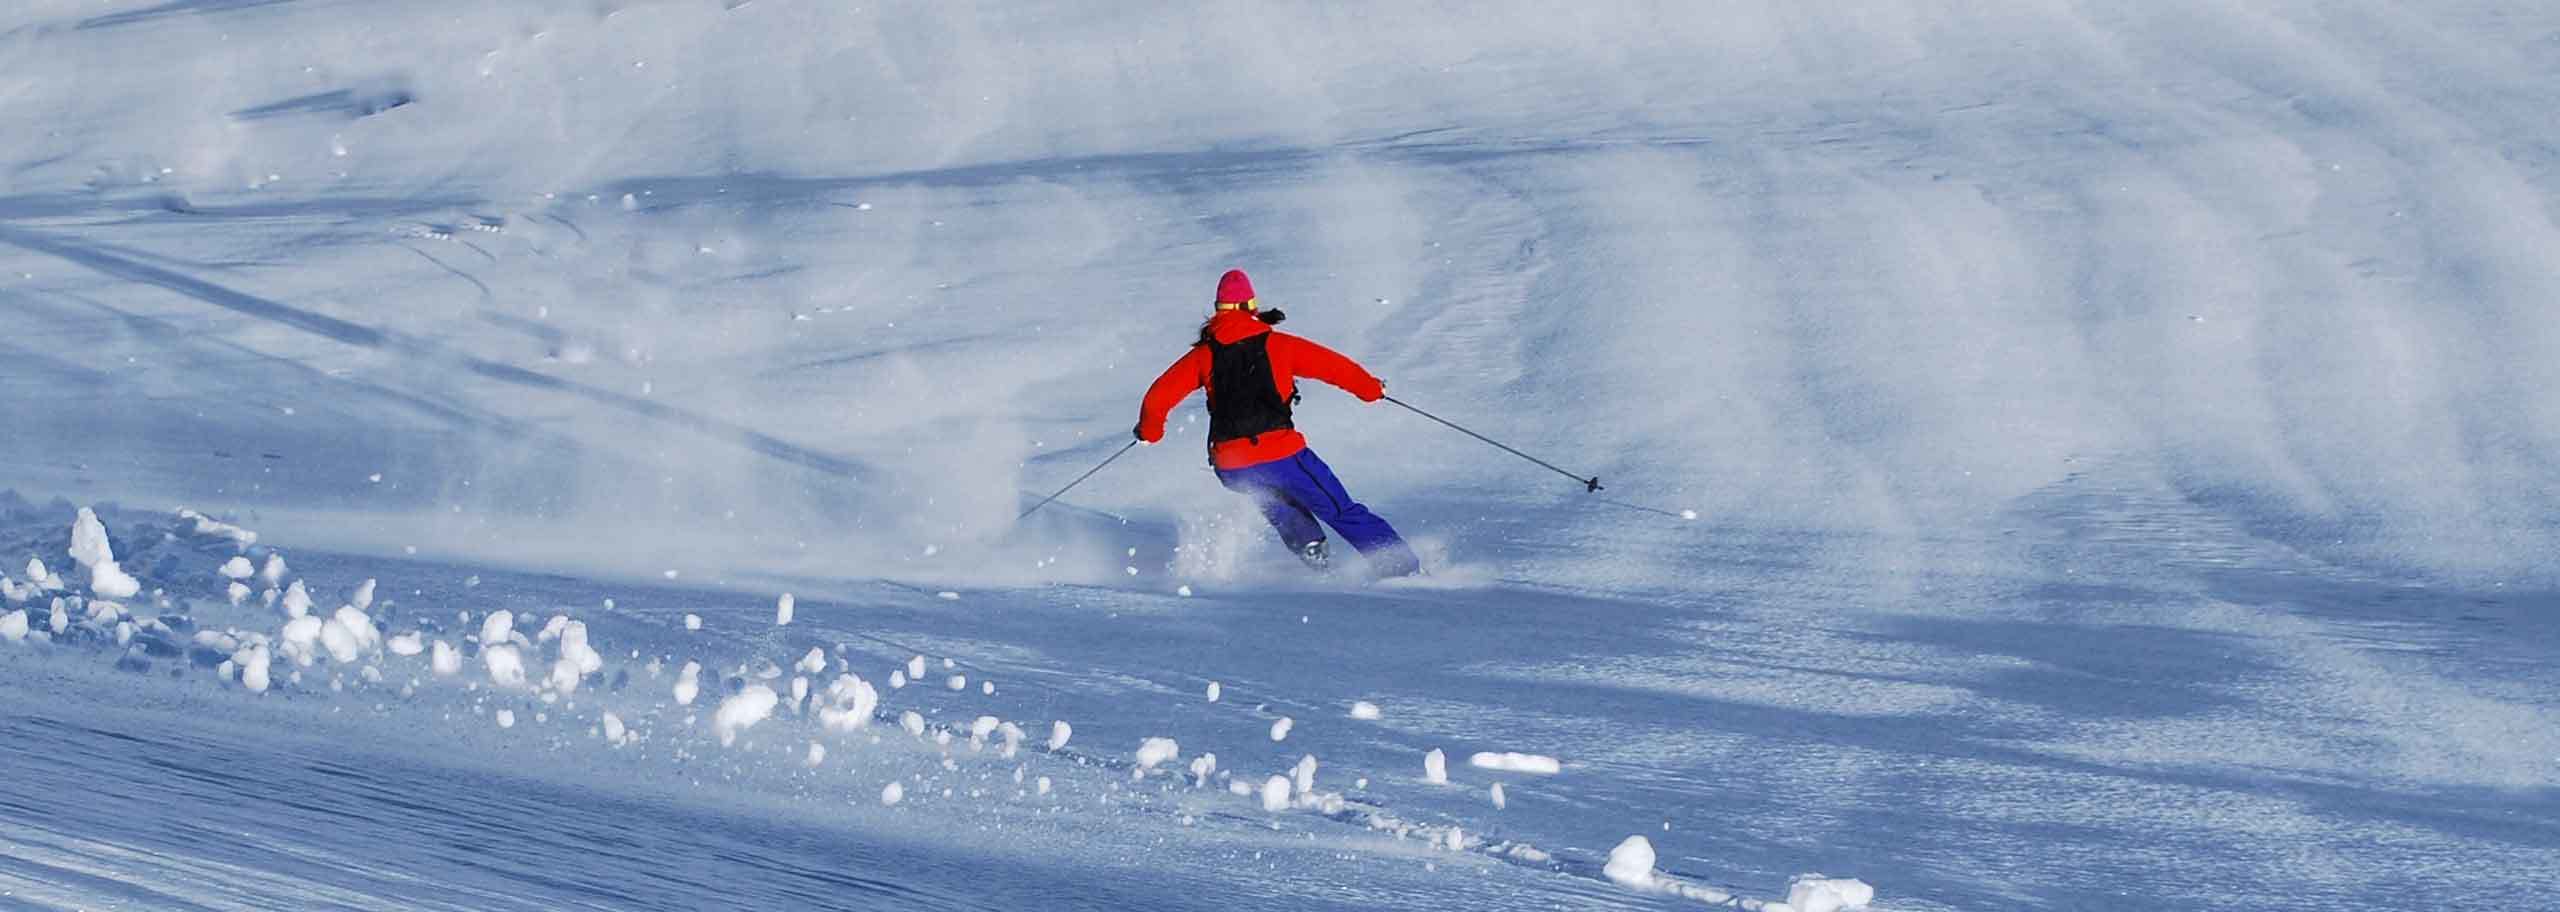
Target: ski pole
(1088,473)
(1589,485)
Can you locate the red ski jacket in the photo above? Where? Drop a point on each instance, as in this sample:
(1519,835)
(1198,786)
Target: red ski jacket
(1291,358)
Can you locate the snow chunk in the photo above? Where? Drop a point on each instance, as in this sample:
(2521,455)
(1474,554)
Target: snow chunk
(738,713)
(1303,776)
(506,718)
(852,702)
(342,643)
(237,568)
(13,626)
(497,628)
(1059,732)
(1201,767)
(1816,893)
(506,666)
(817,753)
(110,581)
(892,793)
(1500,801)
(957,682)
(693,622)
(299,636)
(89,540)
(1153,751)
(814,662)
(208,527)
(237,593)
(1213,691)
(1275,794)
(686,684)
(1631,863)
(912,722)
(363,598)
(915,668)
(614,729)
(575,651)
(1280,729)
(297,601)
(1516,763)
(252,663)
(782,610)
(273,572)
(1435,767)
(446,660)
(1363,709)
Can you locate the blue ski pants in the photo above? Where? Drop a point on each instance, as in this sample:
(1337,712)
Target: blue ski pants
(1293,493)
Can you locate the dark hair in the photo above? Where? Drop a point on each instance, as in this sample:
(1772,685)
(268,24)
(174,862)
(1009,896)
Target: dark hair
(1268,318)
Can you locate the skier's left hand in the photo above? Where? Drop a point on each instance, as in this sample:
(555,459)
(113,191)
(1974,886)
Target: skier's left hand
(1374,393)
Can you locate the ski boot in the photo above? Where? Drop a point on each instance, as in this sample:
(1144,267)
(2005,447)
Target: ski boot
(1316,556)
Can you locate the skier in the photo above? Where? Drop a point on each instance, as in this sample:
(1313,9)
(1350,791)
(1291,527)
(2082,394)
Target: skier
(1250,371)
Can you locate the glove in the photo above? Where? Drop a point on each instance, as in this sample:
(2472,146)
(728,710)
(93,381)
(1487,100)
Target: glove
(1140,432)
(1374,393)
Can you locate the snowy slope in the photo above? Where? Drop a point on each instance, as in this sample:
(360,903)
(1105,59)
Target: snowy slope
(2121,438)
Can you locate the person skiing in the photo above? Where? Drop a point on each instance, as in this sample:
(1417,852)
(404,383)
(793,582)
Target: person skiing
(1250,371)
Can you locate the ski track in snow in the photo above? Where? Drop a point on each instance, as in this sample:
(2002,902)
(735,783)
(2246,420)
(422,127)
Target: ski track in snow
(2111,450)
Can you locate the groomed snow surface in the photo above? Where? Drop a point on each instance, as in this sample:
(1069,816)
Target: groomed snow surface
(487,455)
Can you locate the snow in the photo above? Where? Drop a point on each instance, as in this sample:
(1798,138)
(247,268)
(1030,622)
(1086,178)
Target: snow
(1495,795)
(893,793)
(1303,776)
(1435,767)
(1059,732)
(1275,794)
(782,610)
(814,662)
(1212,692)
(1631,863)
(237,568)
(2120,418)
(1515,762)
(742,711)
(1363,709)
(613,727)
(1280,728)
(297,601)
(13,625)
(692,622)
(506,718)
(362,599)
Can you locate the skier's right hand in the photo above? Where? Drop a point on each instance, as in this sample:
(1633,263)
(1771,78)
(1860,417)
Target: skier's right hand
(1140,432)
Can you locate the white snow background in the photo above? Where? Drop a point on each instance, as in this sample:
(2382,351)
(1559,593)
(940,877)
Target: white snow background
(2121,439)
